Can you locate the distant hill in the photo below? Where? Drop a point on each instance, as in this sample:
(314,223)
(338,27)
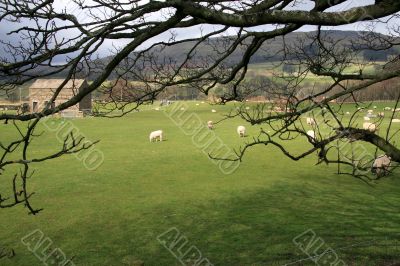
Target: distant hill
(269,51)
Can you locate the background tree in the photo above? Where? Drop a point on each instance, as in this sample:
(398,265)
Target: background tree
(48,40)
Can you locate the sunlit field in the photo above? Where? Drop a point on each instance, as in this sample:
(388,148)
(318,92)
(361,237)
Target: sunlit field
(114,214)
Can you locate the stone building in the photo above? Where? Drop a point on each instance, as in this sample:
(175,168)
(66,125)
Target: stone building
(42,90)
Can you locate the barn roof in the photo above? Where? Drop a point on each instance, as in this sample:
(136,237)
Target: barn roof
(55,83)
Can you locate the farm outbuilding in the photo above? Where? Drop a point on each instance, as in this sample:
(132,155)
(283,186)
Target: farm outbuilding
(42,90)
(122,91)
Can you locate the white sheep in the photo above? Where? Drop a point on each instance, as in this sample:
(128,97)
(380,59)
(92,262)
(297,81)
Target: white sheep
(370,127)
(311,121)
(210,124)
(241,130)
(366,118)
(347,113)
(387,109)
(247,108)
(156,135)
(311,134)
(370,111)
(396,120)
(213,111)
(381,165)
(381,114)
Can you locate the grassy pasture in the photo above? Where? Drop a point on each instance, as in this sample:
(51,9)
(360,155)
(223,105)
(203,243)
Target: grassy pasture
(113,215)
(274,69)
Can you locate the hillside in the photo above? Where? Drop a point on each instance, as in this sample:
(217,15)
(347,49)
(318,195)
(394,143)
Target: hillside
(269,52)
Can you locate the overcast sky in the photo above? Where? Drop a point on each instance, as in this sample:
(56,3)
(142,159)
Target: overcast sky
(195,31)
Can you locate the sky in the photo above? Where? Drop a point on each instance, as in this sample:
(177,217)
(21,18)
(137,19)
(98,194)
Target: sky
(196,31)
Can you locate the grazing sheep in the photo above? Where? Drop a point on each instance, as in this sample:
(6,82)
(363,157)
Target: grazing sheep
(241,130)
(347,113)
(381,165)
(213,111)
(396,120)
(157,109)
(366,118)
(311,134)
(197,104)
(156,135)
(202,102)
(381,114)
(370,111)
(182,109)
(210,124)
(311,121)
(247,108)
(387,109)
(370,127)
(375,106)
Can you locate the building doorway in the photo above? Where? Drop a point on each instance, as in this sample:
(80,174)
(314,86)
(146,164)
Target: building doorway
(34,107)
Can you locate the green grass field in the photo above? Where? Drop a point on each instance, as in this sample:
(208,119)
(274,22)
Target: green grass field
(114,214)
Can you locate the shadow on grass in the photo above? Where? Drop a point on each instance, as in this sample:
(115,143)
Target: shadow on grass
(254,227)
(258,228)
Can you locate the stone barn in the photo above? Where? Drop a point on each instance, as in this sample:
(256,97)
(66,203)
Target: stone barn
(42,90)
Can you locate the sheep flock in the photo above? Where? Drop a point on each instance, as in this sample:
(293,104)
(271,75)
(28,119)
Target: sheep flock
(380,165)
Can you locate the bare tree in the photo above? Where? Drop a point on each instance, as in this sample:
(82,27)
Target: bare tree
(43,33)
